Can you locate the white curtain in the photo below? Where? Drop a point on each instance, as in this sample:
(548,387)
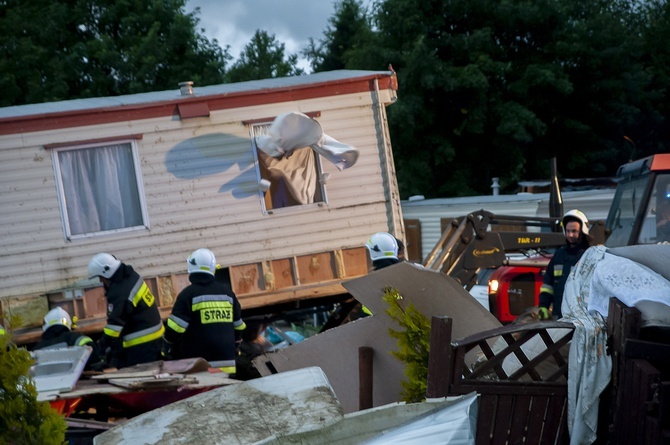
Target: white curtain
(100,188)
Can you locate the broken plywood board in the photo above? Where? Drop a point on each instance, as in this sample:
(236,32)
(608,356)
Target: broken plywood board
(336,351)
(157,381)
(431,292)
(281,404)
(85,388)
(183,366)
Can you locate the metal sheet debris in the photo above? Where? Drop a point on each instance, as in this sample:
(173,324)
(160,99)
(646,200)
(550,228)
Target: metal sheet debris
(245,413)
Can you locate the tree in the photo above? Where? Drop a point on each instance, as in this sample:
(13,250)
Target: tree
(347,39)
(496,88)
(263,57)
(58,49)
(651,135)
(24,420)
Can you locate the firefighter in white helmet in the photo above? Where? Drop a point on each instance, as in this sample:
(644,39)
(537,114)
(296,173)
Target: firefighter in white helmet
(383,249)
(134,327)
(576,230)
(57,332)
(206,319)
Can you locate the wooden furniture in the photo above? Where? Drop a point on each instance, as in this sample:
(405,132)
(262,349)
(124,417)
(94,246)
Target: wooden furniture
(527,405)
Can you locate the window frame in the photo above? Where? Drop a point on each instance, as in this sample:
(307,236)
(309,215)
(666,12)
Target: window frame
(141,198)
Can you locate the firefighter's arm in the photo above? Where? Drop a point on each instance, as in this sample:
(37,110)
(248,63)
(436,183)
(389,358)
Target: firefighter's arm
(116,307)
(546,297)
(175,326)
(95,360)
(166,350)
(238,323)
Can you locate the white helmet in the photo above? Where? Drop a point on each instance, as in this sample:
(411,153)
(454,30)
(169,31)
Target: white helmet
(577,215)
(382,245)
(202,260)
(103,265)
(57,316)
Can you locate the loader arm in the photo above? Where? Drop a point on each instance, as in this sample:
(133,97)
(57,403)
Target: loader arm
(467,245)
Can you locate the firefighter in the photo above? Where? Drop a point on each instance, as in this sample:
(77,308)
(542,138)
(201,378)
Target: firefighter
(383,249)
(57,333)
(206,319)
(401,250)
(134,328)
(576,231)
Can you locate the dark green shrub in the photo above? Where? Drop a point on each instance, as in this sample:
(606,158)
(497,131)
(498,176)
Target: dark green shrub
(24,420)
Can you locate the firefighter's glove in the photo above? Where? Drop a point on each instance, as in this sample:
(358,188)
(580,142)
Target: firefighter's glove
(104,347)
(543,313)
(103,344)
(238,340)
(166,350)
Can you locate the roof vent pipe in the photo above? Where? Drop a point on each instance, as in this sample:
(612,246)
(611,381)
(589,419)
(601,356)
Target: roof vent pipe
(186,88)
(496,186)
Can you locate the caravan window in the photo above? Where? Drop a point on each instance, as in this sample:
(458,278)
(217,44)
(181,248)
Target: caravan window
(293,180)
(100,189)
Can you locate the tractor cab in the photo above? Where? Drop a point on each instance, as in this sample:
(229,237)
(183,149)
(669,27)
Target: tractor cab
(640,211)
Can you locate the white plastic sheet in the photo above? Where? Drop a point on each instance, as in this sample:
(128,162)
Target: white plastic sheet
(294,130)
(452,425)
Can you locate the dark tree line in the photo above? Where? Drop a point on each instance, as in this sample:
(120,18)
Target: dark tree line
(494,88)
(66,49)
(487,88)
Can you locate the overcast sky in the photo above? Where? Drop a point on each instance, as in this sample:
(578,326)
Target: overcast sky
(293,22)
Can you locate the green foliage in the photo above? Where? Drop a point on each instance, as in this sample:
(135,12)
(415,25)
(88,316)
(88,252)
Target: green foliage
(413,345)
(24,420)
(495,88)
(347,40)
(264,58)
(60,49)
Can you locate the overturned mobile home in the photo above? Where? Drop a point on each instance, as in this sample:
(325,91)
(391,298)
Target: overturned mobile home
(151,177)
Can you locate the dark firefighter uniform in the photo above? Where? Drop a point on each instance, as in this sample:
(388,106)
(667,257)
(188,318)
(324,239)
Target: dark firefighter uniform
(60,336)
(134,327)
(204,321)
(553,284)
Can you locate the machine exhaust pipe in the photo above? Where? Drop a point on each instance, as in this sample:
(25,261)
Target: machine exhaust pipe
(555,198)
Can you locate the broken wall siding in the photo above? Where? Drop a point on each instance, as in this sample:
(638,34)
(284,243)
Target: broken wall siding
(201,190)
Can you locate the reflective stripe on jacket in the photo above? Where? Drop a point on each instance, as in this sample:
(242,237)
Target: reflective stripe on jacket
(203,322)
